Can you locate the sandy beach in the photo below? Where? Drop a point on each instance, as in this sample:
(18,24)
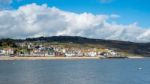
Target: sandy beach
(45,58)
(135,57)
(57,58)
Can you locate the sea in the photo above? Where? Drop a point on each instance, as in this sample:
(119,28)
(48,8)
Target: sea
(105,71)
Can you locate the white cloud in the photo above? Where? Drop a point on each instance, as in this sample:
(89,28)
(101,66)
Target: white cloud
(37,20)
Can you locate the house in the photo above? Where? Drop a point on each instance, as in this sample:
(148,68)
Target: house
(9,51)
(37,52)
(49,52)
(92,54)
(69,53)
(79,53)
(2,52)
(112,52)
(59,54)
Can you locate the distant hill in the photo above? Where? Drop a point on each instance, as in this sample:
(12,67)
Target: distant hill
(129,47)
(123,46)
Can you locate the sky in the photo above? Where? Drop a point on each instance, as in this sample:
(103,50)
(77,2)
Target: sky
(126,20)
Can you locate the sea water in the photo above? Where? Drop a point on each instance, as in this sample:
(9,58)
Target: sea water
(107,71)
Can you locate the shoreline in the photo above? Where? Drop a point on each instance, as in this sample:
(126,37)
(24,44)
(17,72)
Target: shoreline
(136,57)
(62,58)
(47,58)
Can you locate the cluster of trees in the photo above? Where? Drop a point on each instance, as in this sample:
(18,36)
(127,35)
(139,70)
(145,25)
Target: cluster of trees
(4,43)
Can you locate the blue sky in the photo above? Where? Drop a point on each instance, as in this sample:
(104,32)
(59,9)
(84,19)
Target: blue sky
(126,20)
(129,10)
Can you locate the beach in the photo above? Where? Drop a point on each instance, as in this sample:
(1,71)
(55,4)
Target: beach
(45,58)
(57,58)
(135,57)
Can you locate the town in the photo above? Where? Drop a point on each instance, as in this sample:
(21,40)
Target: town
(30,49)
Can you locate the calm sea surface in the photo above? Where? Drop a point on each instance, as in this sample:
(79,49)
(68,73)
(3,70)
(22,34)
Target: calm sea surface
(114,71)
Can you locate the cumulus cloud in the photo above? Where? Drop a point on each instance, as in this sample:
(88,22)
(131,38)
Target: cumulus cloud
(40,20)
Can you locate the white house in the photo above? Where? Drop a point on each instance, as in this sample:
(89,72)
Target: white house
(92,54)
(8,51)
(2,52)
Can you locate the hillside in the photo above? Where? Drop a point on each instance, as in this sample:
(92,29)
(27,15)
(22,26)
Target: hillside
(129,48)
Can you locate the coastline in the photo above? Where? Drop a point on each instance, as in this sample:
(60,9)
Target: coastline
(47,58)
(61,58)
(135,57)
